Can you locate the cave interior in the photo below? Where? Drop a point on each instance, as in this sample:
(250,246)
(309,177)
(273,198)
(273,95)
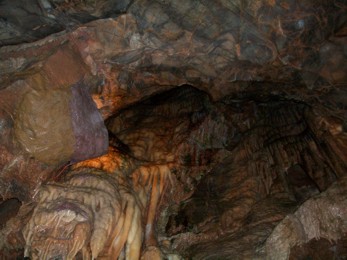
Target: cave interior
(163,129)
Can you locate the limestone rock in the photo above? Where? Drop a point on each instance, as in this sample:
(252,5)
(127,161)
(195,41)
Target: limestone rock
(321,217)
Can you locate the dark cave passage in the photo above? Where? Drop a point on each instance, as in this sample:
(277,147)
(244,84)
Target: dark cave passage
(243,154)
(154,130)
(236,167)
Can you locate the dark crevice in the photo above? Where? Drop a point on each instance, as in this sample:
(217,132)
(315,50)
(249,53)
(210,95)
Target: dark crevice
(8,209)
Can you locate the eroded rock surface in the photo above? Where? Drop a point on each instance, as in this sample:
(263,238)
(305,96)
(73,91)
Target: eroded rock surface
(225,118)
(321,217)
(90,213)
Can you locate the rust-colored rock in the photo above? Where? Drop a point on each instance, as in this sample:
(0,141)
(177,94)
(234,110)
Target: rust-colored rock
(226,119)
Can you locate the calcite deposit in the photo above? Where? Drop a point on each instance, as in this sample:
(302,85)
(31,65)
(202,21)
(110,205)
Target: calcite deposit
(173,129)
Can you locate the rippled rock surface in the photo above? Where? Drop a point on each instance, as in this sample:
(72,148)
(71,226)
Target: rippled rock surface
(225,122)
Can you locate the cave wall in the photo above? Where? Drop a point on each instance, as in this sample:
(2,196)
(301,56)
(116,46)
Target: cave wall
(234,111)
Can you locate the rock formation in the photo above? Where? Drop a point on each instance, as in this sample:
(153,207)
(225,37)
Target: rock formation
(173,129)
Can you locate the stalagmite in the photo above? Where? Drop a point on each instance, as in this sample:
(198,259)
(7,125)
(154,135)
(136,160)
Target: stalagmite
(95,211)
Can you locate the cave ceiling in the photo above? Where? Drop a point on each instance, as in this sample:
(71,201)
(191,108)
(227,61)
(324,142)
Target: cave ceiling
(162,129)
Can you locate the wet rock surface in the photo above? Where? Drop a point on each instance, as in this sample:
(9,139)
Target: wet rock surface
(226,123)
